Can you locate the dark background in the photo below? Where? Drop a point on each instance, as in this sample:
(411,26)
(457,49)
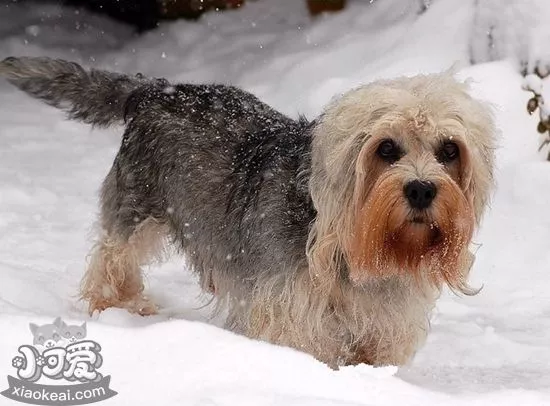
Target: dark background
(144,15)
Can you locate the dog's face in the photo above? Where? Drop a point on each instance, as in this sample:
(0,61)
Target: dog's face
(419,174)
(412,200)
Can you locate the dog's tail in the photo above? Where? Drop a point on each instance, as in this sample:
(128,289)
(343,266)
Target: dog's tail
(95,97)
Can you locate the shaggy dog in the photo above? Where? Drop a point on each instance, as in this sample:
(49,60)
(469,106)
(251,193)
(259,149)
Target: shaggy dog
(333,236)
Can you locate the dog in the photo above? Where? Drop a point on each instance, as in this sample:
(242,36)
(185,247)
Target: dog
(333,236)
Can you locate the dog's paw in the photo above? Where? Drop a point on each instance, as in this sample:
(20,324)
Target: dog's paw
(141,305)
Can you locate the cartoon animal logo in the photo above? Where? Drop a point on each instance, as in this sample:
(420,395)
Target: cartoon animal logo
(57,334)
(73,333)
(59,352)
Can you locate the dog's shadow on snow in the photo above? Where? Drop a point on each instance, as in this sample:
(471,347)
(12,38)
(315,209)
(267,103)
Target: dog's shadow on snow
(176,291)
(481,379)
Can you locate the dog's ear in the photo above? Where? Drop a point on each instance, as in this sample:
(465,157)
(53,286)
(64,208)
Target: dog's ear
(480,139)
(481,182)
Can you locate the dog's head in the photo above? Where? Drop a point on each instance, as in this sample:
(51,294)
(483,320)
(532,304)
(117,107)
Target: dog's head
(401,173)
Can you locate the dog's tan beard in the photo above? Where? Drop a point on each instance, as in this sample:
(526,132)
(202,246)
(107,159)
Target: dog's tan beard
(389,239)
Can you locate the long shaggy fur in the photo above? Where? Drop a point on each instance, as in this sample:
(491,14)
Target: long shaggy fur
(297,227)
(95,97)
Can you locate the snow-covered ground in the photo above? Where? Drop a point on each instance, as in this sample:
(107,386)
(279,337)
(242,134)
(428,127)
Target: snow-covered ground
(491,349)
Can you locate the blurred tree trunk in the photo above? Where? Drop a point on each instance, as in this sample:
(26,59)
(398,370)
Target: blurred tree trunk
(320,6)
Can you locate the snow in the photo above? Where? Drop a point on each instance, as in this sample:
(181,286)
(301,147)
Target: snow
(512,29)
(532,82)
(490,349)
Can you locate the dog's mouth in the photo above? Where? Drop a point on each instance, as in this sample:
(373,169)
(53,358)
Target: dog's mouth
(422,226)
(418,220)
(420,217)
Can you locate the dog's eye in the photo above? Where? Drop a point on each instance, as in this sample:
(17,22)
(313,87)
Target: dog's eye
(388,151)
(449,152)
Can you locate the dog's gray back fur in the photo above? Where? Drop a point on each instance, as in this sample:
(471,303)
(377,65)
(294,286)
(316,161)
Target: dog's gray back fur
(226,173)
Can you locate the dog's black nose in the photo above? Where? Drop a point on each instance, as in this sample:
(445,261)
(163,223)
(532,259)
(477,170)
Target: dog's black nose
(420,194)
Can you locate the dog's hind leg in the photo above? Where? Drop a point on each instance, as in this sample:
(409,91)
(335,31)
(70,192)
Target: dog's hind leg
(114,277)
